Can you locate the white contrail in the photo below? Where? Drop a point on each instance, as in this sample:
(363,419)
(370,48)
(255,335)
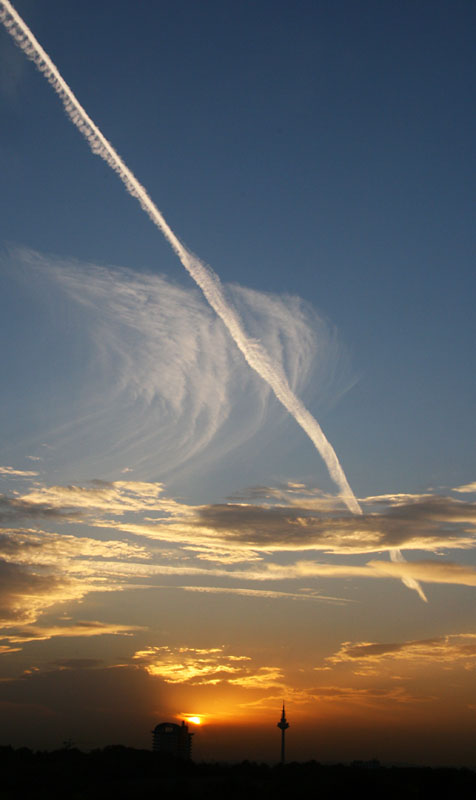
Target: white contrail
(397,558)
(207,280)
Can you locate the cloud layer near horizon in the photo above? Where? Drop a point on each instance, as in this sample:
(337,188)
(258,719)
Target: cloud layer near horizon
(68,549)
(278,543)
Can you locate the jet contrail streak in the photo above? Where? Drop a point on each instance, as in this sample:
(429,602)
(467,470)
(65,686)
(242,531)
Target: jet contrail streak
(397,558)
(207,280)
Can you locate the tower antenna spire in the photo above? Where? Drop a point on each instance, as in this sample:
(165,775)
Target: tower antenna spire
(284,725)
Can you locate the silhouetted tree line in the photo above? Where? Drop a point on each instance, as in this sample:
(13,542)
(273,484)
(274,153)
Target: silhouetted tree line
(121,772)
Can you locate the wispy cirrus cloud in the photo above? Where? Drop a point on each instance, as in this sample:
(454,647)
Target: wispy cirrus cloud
(162,383)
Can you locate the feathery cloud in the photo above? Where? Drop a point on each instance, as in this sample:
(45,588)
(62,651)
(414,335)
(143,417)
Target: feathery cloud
(161,386)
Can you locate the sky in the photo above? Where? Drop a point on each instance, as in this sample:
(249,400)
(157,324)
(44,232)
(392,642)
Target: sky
(172,543)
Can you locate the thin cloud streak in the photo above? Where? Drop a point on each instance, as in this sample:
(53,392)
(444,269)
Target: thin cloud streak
(428,571)
(81,628)
(269,594)
(447,649)
(11,472)
(253,352)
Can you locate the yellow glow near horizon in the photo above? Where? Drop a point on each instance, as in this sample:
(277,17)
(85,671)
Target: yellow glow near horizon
(195,720)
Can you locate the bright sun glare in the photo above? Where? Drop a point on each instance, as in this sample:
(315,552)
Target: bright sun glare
(195,720)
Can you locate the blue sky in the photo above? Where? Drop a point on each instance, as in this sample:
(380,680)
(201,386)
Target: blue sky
(323,151)
(320,157)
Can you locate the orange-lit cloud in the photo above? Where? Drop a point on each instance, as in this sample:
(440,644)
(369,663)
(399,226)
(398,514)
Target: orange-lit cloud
(11,472)
(266,593)
(428,571)
(128,534)
(425,571)
(189,664)
(43,547)
(451,648)
(207,667)
(261,678)
(24,595)
(81,628)
(288,519)
(15,508)
(430,523)
(422,524)
(115,498)
(333,694)
(468,488)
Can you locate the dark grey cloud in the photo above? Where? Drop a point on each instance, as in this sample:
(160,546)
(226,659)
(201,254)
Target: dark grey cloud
(27,591)
(359,651)
(92,707)
(428,523)
(451,648)
(14,541)
(23,592)
(12,509)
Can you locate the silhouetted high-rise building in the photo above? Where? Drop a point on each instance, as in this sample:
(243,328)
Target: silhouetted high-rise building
(172,739)
(284,725)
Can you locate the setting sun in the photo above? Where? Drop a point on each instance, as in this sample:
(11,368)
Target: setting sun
(194,720)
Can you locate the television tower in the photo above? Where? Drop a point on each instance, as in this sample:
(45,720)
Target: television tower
(283,724)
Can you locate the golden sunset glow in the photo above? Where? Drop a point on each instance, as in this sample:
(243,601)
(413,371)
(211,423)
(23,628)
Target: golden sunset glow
(177,530)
